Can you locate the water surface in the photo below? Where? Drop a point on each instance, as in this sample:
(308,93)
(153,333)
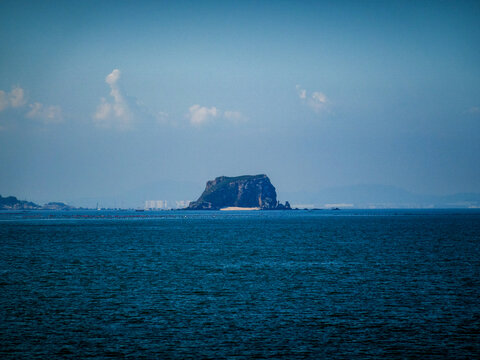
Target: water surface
(287,285)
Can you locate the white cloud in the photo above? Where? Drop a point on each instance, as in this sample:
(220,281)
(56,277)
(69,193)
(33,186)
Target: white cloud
(17,97)
(318,101)
(473,110)
(302,93)
(234,116)
(103,110)
(199,115)
(115,114)
(113,77)
(46,114)
(14,99)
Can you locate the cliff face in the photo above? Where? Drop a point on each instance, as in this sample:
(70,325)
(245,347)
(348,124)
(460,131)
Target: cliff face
(241,191)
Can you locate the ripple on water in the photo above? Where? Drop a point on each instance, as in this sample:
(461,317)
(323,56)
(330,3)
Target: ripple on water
(266,285)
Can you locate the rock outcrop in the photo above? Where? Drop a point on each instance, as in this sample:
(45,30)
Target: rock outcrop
(248,191)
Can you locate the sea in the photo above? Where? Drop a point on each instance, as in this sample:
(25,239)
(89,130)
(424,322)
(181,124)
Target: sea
(325,284)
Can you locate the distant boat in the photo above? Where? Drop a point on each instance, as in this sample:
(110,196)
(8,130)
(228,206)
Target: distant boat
(139,210)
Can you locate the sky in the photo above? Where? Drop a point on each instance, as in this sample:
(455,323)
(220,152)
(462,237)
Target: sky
(138,100)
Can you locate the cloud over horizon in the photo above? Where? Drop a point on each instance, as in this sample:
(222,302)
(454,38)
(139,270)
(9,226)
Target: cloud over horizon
(117,113)
(16,99)
(317,101)
(46,114)
(200,115)
(474,110)
(234,116)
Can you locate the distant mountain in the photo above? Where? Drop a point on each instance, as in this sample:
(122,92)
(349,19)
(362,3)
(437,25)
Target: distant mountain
(57,206)
(357,196)
(12,203)
(381,196)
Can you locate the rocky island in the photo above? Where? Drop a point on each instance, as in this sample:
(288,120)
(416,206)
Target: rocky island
(241,192)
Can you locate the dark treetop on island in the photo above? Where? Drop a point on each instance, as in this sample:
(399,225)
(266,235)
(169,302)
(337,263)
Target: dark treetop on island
(246,191)
(12,203)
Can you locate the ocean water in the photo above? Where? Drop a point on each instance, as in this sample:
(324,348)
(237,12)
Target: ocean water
(213,285)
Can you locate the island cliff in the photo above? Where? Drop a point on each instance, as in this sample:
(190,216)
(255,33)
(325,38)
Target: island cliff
(248,191)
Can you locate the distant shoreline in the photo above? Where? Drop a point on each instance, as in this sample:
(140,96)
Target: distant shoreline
(236,208)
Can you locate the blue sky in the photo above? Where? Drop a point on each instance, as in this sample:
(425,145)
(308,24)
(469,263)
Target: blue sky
(105,98)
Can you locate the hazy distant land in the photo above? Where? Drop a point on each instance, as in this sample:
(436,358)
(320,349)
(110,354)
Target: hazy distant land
(12,203)
(358,196)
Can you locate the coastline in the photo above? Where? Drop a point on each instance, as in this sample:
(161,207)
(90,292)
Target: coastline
(236,208)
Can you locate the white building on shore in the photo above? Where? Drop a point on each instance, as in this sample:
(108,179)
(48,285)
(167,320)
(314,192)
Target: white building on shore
(163,204)
(156,205)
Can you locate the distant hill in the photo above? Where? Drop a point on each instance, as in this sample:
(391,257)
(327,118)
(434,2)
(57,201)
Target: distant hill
(57,206)
(382,196)
(12,203)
